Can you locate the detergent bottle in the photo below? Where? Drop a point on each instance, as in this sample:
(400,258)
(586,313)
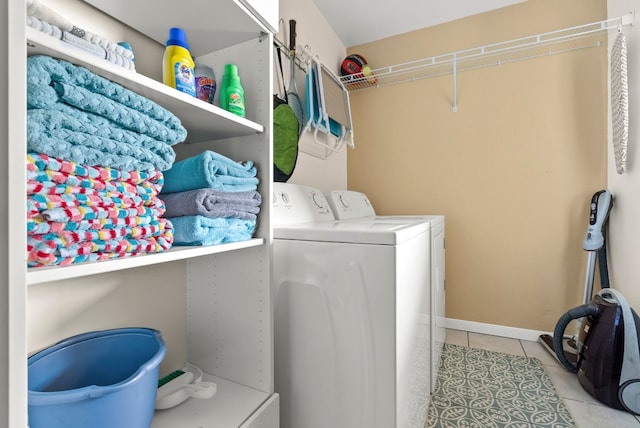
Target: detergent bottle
(205,82)
(178,66)
(232,92)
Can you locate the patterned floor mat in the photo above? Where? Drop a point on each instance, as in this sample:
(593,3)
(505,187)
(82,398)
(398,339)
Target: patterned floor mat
(477,388)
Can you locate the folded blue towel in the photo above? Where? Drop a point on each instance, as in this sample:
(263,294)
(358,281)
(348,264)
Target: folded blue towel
(51,81)
(213,203)
(199,230)
(210,170)
(118,114)
(88,139)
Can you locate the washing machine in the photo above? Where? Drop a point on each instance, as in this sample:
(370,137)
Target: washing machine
(351,205)
(351,349)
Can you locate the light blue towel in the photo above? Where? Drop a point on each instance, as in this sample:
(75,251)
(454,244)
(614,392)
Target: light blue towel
(88,139)
(199,230)
(51,82)
(210,170)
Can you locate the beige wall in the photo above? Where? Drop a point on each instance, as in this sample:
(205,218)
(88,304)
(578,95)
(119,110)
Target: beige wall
(513,170)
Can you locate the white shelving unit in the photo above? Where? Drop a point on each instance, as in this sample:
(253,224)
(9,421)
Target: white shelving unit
(228,311)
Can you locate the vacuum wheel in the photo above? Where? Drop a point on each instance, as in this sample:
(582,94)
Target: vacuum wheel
(629,396)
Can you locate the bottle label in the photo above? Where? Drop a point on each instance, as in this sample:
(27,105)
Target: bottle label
(184,78)
(205,89)
(236,104)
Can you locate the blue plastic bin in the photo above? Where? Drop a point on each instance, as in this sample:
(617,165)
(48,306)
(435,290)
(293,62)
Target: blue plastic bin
(102,379)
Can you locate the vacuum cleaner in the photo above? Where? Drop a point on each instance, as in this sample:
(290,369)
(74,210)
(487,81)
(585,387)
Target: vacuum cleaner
(595,244)
(608,365)
(606,352)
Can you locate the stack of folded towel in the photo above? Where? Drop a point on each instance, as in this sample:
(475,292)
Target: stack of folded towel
(76,115)
(42,18)
(211,199)
(95,162)
(77,213)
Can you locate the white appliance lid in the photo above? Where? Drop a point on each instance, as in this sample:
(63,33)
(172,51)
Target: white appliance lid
(355,232)
(352,205)
(433,219)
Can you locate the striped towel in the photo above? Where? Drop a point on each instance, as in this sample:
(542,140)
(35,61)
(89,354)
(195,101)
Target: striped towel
(86,213)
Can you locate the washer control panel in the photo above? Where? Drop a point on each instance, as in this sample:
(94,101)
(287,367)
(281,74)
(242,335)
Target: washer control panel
(348,204)
(296,204)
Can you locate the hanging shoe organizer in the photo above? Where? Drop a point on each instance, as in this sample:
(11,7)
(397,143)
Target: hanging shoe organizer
(565,40)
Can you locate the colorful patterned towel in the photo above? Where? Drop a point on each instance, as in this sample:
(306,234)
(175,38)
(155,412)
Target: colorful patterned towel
(37,225)
(78,213)
(83,212)
(51,176)
(69,172)
(91,257)
(42,202)
(146,191)
(49,248)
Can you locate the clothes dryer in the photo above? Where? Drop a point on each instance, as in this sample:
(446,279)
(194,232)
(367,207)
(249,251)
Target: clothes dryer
(351,205)
(350,347)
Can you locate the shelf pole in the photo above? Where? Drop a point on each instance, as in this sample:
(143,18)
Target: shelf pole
(455,84)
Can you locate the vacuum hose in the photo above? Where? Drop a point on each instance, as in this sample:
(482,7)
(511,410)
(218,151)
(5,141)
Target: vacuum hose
(558,333)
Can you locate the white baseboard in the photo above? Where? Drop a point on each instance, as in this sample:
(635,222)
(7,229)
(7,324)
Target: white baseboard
(494,329)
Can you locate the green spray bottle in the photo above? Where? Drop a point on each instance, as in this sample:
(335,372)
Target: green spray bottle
(231,91)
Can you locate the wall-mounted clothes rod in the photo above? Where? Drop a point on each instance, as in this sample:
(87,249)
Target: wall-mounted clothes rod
(544,44)
(302,54)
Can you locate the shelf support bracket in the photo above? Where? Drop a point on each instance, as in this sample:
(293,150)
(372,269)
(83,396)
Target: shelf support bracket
(455,83)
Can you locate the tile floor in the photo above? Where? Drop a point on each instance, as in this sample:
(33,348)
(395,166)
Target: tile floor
(586,410)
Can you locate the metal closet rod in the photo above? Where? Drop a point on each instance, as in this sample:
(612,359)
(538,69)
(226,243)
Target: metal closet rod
(488,55)
(301,54)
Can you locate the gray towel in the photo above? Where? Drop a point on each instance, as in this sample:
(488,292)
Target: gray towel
(42,12)
(83,43)
(213,203)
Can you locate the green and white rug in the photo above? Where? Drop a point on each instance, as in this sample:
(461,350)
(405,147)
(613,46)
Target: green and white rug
(484,389)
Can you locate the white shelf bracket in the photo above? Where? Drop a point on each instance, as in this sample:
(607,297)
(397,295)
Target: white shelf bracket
(455,84)
(628,19)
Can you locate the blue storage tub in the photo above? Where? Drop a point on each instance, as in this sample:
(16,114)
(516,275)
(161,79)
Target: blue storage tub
(102,379)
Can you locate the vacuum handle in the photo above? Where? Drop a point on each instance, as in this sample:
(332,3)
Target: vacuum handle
(558,333)
(598,216)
